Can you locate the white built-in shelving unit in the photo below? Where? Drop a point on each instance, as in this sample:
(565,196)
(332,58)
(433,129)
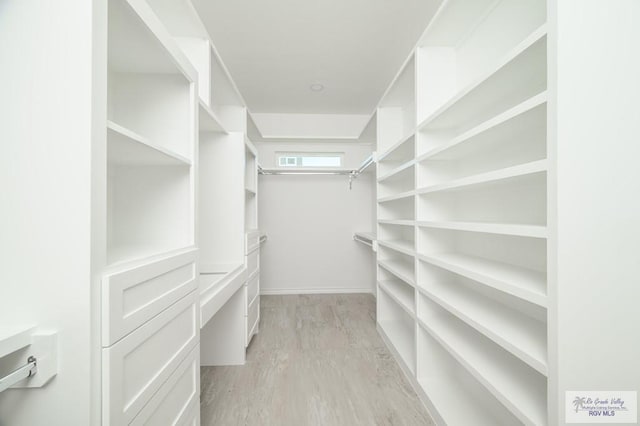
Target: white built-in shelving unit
(149,282)
(462,214)
(227,193)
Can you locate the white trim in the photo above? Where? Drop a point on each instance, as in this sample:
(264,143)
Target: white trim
(336,290)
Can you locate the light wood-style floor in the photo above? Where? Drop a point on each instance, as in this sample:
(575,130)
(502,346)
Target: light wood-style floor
(318,360)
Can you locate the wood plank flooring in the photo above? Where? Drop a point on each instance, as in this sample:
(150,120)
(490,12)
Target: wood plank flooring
(318,360)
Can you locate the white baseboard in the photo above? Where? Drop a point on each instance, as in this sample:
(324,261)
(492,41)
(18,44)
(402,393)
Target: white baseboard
(290,291)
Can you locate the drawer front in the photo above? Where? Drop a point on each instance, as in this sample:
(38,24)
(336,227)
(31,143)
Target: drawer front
(132,297)
(252,319)
(136,367)
(253,262)
(253,288)
(176,400)
(252,241)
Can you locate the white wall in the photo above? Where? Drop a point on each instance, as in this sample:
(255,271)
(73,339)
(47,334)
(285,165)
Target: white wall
(595,279)
(48,141)
(315,126)
(310,221)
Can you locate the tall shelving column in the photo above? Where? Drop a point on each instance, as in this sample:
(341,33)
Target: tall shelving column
(396,279)
(482,202)
(466,176)
(227,195)
(149,285)
(252,240)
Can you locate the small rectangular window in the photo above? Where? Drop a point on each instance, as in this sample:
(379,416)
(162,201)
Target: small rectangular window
(311,160)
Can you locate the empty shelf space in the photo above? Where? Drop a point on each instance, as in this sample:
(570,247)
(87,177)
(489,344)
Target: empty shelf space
(517,281)
(394,173)
(395,197)
(208,120)
(368,236)
(125,147)
(520,73)
(518,387)
(455,404)
(400,222)
(524,337)
(532,231)
(402,293)
(402,246)
(502,175)
(402,340)
(139,42)
(530,113)
(400,152)
(400,269)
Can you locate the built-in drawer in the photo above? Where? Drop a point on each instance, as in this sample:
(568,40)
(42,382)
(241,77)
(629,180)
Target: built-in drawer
(252,319)
(175,402)
(253,288)
(253,262)
(131,297)
(135,368)
(252,241)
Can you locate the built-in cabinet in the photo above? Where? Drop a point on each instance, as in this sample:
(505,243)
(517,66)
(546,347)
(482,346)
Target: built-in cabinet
(180,287)
(462,214)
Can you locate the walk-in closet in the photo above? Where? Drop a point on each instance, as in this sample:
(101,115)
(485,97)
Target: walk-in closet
(292,213)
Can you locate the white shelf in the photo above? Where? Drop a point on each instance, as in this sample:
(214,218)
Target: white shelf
(402,246)
(208,120)
(250,191)
(139,42)
(463,144)
(401,222)
(403,294)
(395,172)
(403,340)
(532,231)
(518,387)
(400,269)
(370,236)
(502,175)
(397,150)
(130,256)
(13,338)
(528,59)
(126,148)
(395,197)
(522,336)
(455,404)
(250,146)
(526,284)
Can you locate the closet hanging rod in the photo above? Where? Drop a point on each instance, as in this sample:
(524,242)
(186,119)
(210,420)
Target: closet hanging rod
(361,240)
(24,372)
(365,164)
(305,172)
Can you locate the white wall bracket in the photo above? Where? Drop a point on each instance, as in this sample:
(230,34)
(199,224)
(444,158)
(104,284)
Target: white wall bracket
(39,349)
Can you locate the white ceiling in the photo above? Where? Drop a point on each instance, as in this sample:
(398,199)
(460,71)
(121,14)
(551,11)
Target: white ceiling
(275,49)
